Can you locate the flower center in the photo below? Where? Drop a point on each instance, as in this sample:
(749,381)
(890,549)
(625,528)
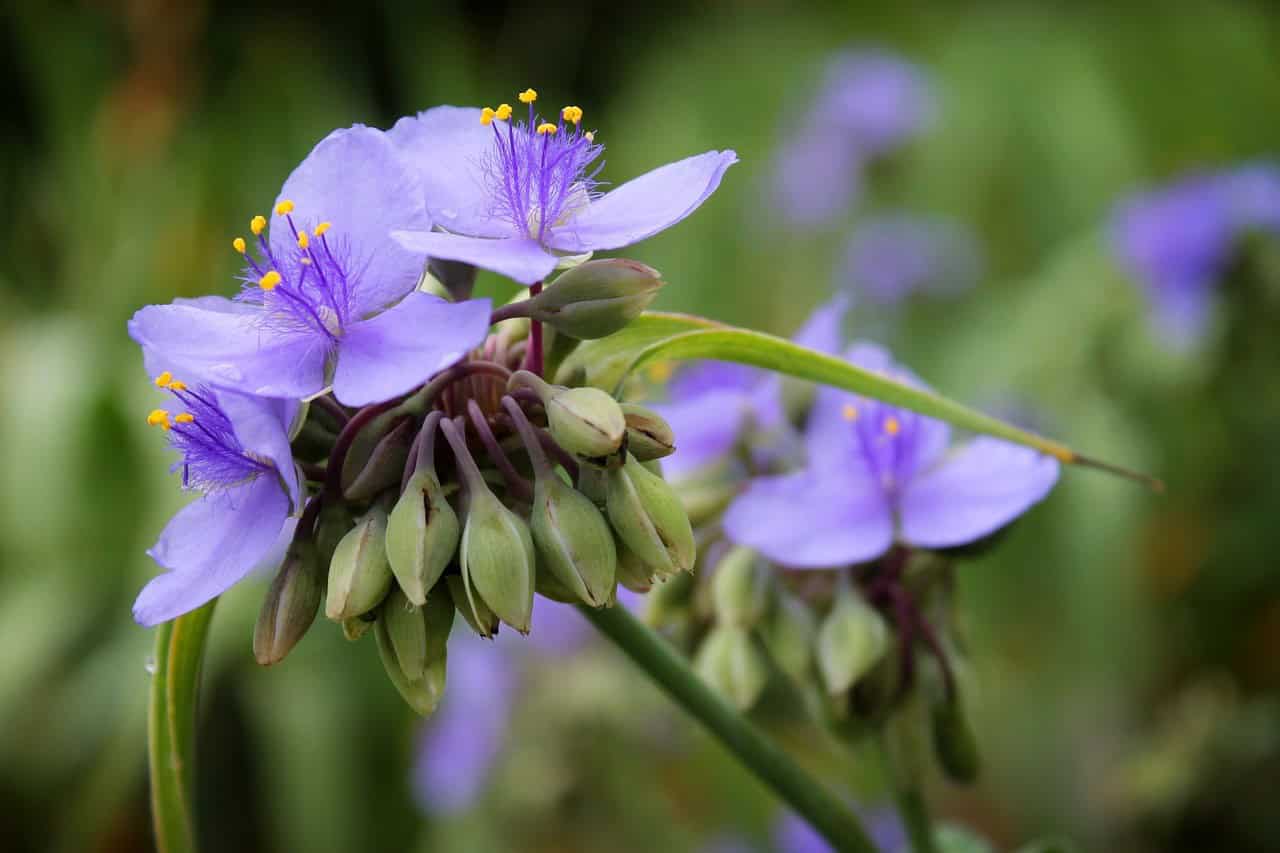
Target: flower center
(212,457)
(307,285)
(887,439)
(539,173)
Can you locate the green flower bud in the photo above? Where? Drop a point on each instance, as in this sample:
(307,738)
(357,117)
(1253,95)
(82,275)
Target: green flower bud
(740,588)
(481,619)
(422,535)
(573,540)
(852,639)
(632,572)
(729,661)
(366,443)
(359,575)
(668,602)
(291,604)
(385,465)
(788,633)
(357,626)
(417,634)
(497,559)
(954,742)
(334,523)
(649,436)
(584,421)
(597,298)
(455,278)
(592,482)
(648,516)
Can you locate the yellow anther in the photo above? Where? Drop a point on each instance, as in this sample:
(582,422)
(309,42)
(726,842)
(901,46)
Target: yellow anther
(546,127)
(175,385)
(270,280)
(321,228)
(891,426)
(184,418)
(284,208)
(573,115)
(158,417)
(528,96)
(486,115)
(590,136)
(849,412)
(257,224)
(238,244)
(660,371)
(503,112)
(303,240)
(164,380)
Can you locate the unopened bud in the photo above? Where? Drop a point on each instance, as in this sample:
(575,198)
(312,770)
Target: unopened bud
(852,639)
(411,643)
(481,619)
(334,523)
(632,572)
(291,604)
(729,661)
(573,540)
(788,633)
(649,436)
(740,588)
(596,298)
(422,535)
(359,575)
(668,602)
(954,742)
(586,421)
(385,464)
(366,442)
(497,559)
(648,516)
(357,626)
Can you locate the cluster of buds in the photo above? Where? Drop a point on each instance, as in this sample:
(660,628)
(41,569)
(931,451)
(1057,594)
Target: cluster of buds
(535,489)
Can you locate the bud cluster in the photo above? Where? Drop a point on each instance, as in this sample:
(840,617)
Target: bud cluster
(484,487)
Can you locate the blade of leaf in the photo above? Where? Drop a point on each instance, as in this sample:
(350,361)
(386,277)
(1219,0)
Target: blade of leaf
(604,362)
(758,349)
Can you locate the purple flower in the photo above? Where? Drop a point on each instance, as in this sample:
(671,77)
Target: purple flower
(877,473)
(235,450)
(792,834)
(1178,241)
(511,195)
(712,402)
(329,296)
(889,259)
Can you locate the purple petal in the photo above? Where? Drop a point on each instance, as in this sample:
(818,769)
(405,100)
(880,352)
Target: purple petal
(816,177)
(823,331)
(645,205)
(558,630)
(356,180)
(210,545)
(793,834)
(229,350)
(519,258)
(706,428)
(261,425)
(447,147)
(974,492)
(405,345)
(220,304)
(808,521)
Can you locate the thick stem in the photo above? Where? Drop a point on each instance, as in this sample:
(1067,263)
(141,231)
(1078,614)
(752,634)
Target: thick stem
(171,728)
(533,358)
(806,795)
(910,803)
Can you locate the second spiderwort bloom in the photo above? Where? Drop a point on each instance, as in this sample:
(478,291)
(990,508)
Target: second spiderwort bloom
(513,196)
(328,296)
(888,259)
(235,451)
(877,474)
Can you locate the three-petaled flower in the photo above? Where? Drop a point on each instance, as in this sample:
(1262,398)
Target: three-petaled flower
(235,451)
(513,197)
(877,474)
(330,298)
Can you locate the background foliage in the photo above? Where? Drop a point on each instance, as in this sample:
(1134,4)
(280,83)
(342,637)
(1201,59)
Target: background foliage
(1126,646)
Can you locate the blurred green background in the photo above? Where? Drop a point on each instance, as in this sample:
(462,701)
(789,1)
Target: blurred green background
(1127,646)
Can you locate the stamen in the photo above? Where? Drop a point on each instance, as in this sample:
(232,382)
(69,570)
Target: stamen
(238,245)
(303,241)
(284,208)
(175,385)
(486,115)
(892,426)
(503,112)
(573,115)
(849,412)
(546,127)
(321,228)
(164,380)
(257,224)
(590,136)
(270,280)
(528,96)
(160,418)
(184,418)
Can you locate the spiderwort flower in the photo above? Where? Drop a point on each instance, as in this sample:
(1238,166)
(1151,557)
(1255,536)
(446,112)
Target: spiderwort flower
(888,259)
(319,300)
(235,450)
(511,195)
(877,473)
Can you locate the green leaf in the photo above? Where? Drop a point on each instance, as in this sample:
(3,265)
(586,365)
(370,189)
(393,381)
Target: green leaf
(656,336)
(175,683)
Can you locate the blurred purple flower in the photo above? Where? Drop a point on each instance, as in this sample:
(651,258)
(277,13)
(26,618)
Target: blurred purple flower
(235,450)
(712,402)
(329,291)
(869,103)
(888,259)
(1178,241)
(510,196)
(877,473)
(792,834)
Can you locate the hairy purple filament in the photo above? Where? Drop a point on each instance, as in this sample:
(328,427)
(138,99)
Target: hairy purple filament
(212,457)
(315,293)
(539,179)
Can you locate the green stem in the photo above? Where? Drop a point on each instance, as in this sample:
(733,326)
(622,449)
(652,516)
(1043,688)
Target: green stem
(810,799)
(911,805)
(175,684)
